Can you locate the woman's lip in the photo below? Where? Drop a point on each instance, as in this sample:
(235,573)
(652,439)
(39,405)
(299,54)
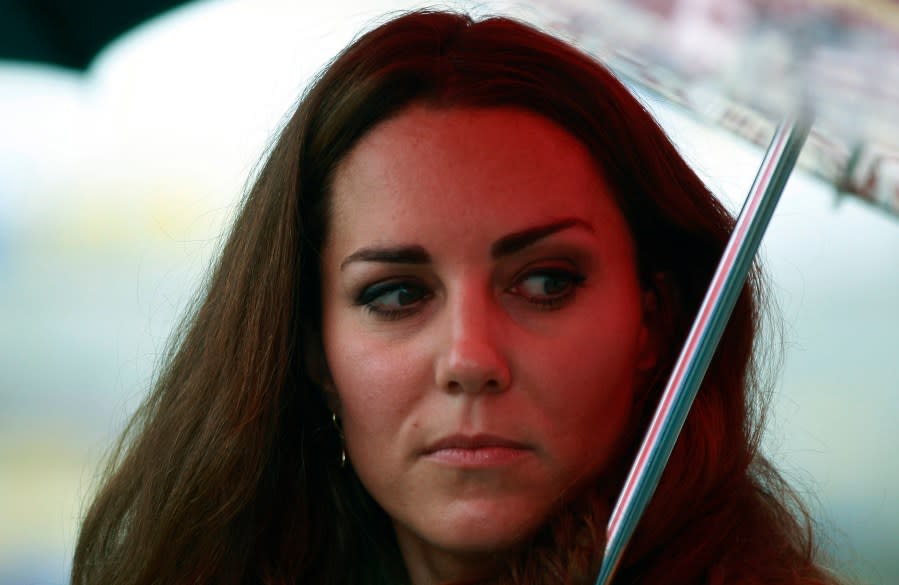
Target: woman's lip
(477,451)
(478,457)
(479,442)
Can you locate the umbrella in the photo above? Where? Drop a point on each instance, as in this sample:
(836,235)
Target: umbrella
(69,34)
(742,65)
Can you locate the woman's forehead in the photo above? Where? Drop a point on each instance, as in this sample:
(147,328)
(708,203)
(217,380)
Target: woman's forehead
(465,134)
(498,168)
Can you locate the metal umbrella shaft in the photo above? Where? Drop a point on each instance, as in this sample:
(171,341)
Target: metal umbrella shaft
(703,338)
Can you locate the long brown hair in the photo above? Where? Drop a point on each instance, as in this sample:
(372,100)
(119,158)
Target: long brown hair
(230,473)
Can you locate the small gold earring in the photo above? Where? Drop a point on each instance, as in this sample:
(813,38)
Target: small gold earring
(339,427)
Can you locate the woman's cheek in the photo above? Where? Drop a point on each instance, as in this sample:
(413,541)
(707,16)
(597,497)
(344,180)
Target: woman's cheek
(375,381)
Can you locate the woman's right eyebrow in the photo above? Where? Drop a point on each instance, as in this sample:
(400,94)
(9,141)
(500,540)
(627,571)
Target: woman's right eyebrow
(411,254)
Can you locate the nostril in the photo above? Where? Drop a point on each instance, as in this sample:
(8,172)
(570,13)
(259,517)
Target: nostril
(473,385)
(471,363)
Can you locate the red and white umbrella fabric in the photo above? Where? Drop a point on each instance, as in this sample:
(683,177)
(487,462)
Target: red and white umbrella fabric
(743,64)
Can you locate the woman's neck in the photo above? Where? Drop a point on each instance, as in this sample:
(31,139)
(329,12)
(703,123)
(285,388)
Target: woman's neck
(430,565)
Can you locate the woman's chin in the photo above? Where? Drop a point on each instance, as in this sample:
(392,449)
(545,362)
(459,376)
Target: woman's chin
(462,550)
(477,529)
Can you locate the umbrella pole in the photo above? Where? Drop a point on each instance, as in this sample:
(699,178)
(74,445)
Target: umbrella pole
(703,338)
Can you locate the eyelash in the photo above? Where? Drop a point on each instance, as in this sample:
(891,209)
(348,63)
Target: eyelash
(370,294)
(554,301)
(366,299)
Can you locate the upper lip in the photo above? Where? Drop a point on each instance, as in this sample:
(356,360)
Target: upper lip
(477,441)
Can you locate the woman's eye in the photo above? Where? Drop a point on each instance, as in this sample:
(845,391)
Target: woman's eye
(548,288)
(392,300)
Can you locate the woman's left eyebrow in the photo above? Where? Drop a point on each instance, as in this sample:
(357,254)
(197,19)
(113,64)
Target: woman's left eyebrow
(517,241)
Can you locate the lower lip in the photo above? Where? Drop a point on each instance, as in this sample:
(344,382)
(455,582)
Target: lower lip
(478,458)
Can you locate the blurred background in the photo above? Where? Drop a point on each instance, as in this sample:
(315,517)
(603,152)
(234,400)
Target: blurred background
(120,172)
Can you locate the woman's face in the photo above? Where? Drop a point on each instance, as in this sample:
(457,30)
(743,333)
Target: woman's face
(482,323)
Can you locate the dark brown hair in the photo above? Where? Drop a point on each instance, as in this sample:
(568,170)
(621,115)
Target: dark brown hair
(229,472)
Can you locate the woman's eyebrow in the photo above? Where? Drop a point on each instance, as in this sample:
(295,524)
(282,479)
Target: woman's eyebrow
(514,242)
(411,254)
(522,239)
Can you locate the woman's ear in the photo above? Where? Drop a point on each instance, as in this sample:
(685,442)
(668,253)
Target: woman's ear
(316,364)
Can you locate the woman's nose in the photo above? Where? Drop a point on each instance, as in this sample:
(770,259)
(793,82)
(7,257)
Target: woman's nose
(471,359)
